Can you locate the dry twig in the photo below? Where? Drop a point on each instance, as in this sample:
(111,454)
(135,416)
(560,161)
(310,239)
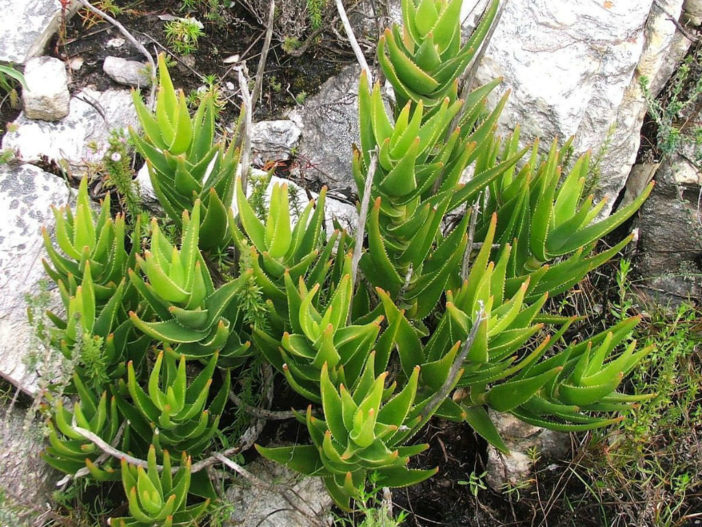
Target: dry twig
(455,369)
(138,45)
(469,247)
(352,40)
(264,55)
(361,229)
(245,132)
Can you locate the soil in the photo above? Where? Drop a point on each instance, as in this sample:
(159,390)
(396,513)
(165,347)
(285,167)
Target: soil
(286,78)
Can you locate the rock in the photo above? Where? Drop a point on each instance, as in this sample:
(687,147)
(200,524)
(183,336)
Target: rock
(76,63)
(506,469)
(26,195)
(329,124)
(520,437)
(27,26)
(115,43)
(693,12)
(574,68)
(26,481)
(274,140)
(46,96)
(127,72)
(146,189)
(299,502)
(81,137)
(669,251)
(640,176)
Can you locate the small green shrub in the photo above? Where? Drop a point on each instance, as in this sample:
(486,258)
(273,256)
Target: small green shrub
(675,111)
(119,175)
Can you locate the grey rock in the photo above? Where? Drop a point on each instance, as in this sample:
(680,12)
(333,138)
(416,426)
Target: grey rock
(26,196)
(274,140)
(81,137)
(76,63)
(127,72)
(46,96)
(669,251)
(25,479)
(574,69)
(506,469)
(693,12)
(640,176)
(293,502)
(520,437)
(115,43)
(329,124)
(514,430)
(26,27)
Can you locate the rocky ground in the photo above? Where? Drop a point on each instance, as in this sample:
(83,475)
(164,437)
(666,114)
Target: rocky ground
(573,68)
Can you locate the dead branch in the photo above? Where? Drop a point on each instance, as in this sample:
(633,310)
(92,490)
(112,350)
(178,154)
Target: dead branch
(455,369)
(361,229)
(352,40)
(138,45)
(469,247)
(264,55)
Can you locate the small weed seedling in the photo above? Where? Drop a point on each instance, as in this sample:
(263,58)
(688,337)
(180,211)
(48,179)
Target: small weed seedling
(183,34)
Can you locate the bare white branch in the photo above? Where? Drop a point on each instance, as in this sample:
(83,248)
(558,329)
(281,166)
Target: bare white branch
(138,45)
(361,229)
(352,40)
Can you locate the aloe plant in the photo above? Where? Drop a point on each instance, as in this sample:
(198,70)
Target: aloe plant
(280,246)
(172,413)
(106,326)
(184,162)
(89,268)
(423,58)
(69,451)
(423,150)
(546,217)
(530,215)
(589,374)
(156,496)
(85,238)
(191,314)
(362,431)
(315,339)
